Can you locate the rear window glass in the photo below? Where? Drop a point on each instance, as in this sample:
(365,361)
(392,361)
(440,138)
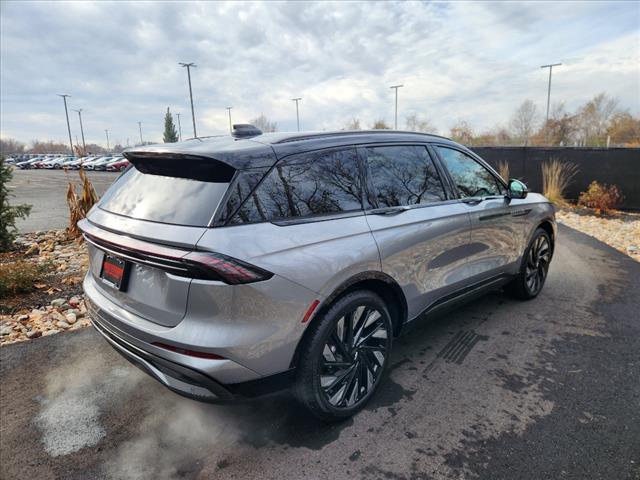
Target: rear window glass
(157,198)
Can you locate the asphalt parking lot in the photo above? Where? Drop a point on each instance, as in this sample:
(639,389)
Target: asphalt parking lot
(549,389)
(46,191)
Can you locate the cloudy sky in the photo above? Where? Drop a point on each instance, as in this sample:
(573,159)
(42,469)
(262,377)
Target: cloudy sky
(458,61)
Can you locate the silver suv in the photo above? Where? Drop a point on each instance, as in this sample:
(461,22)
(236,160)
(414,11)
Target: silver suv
(238,265)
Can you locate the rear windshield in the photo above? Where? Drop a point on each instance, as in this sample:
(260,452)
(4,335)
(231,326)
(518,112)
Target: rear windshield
(157,198)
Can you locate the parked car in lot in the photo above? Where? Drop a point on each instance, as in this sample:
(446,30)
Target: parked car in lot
(57,162)
(27,164)
(118,165)
(96,163)
(233,266)
(103,165)
(75,164)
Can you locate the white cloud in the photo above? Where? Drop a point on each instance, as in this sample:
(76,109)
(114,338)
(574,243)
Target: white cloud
(472,61)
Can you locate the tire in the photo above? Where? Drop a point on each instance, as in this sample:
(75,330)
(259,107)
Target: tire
(334,381)
(534,267)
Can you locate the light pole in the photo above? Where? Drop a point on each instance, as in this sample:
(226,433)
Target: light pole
(84,147)
(66,112)
(230,127)
(396,87)
(193,115)
(297,111)
(140,128)
(107,134)
(550,67)
(179,127)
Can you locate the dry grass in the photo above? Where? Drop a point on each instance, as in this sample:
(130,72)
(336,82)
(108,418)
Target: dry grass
(556,177)
(503,169)
(79,204)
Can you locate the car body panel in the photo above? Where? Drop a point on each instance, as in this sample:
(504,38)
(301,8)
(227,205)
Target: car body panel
(425,250)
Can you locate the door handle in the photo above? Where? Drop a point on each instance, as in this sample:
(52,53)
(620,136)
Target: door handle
(388,210)
(472,200)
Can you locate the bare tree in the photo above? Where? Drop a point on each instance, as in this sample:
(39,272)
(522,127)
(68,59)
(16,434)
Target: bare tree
(264,124)
(9,146)
(523,121)
(353,124)
(380,125)
(461,132)
(624,129)
(416,124)
(594,118)
(558,130)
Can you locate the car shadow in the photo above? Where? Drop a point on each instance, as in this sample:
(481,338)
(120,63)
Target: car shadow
(279,419)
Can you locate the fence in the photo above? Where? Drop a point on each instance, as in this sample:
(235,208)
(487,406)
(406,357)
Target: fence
(613,166)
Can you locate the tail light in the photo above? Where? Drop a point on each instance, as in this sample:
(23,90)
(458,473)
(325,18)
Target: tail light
(184,263)
(229,270)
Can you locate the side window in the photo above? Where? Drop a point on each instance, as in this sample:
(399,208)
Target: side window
(403,175)
(313,183)
(471,178)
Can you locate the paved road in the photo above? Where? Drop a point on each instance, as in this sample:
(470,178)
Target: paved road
(551,389)
(46,190)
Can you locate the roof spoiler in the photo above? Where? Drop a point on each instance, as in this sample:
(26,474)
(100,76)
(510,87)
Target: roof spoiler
(181,165)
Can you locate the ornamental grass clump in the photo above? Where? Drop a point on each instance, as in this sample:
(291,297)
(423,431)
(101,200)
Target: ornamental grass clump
(503,169)
(556,177)
(79,204)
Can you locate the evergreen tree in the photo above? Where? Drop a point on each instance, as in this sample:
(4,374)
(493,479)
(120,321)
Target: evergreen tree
(8,213)
(170,133)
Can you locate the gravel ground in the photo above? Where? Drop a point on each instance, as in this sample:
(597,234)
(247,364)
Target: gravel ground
(621,230)
(56,303)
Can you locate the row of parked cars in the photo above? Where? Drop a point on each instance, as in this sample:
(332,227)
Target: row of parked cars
(112,163)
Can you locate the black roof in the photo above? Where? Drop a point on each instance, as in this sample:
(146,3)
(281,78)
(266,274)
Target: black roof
(264,149)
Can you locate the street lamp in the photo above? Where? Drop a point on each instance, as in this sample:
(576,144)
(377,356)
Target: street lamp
(297,111)
(193,115)
(140,128)
(107,134)
(66,112)
(84,147)
(550,67)
(396,87)
(230,127)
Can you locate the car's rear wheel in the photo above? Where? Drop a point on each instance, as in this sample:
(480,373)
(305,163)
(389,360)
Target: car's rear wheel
(534,268)
(344,356)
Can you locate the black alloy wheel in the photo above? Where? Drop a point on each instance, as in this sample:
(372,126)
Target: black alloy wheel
(344,355)
(354,356)
(537,264)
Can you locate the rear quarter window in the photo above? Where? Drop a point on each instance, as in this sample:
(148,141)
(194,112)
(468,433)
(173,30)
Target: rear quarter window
(309,184)
(164,199)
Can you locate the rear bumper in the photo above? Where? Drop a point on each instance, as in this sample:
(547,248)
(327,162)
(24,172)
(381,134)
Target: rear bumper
(182,378)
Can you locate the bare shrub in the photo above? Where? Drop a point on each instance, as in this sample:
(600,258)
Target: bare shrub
(556,177)
(20,276)
(79,204)
(602,198)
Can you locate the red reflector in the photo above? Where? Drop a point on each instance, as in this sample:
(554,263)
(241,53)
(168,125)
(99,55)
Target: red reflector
(312,307)
(191,353)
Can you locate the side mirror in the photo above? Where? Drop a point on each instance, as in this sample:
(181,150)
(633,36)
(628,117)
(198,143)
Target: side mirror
(517,189)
